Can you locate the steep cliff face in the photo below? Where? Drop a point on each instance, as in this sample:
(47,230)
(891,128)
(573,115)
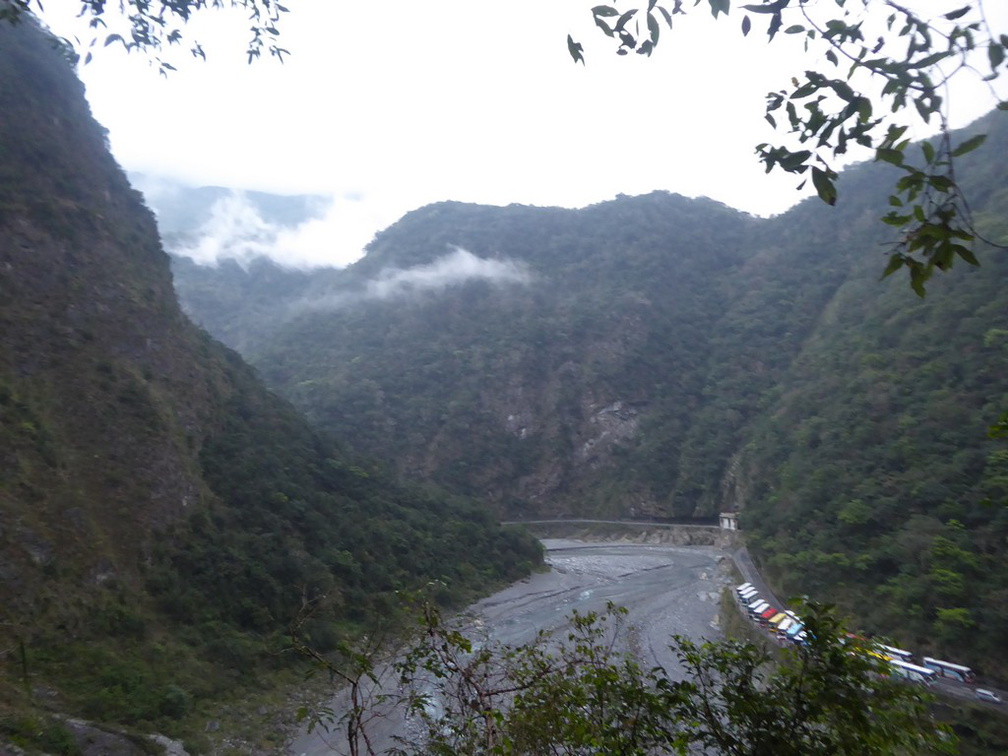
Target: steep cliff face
(163,517)
(104,402)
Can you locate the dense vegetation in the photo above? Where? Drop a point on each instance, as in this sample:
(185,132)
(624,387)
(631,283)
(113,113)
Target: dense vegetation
(516,390)
(581,691)
(658,356)
(164,518)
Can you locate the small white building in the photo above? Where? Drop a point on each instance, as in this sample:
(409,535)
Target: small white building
(728,520)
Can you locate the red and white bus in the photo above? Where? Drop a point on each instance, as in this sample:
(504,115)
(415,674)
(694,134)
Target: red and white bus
(950,670)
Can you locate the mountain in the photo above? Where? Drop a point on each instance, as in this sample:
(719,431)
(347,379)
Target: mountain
(658,356)
(164,517)
(504,315)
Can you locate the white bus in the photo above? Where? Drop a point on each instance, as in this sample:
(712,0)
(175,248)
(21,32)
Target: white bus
(950,670)
(892,652)
(913,672)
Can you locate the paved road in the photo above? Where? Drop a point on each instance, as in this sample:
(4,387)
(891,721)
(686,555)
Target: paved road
(667,590)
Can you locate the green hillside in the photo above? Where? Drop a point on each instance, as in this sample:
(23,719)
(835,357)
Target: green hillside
(659,356)
(163,517)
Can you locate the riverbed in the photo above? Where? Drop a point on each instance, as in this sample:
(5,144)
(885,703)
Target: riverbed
(667,590)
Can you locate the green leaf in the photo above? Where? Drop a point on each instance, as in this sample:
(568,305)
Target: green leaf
(805,90)
(929,151)
(969,145)
(824,186)
(930,60)
(652,24)
(995,54)
(957,13)
(895,263)
(719,6)
(941,183)
(624,20)
(967,254)
(794,162)
(746,26)
(768,8)
(604,10)
(575,49)
(893,219)
(775,25)
(894,133)
(864,108)
(889,155)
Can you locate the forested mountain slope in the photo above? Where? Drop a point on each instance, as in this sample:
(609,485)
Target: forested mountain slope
(873,480)
(164,517)
(518,353)
(658,356)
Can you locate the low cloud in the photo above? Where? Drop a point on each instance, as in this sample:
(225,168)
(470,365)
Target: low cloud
(458,267)
(235,229)
(452,269)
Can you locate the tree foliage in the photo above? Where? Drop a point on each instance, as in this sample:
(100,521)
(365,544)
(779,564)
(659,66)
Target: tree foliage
(581,691)
(875,67)
(149,26)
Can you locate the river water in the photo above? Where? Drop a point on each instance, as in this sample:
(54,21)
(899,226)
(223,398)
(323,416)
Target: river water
(667,590)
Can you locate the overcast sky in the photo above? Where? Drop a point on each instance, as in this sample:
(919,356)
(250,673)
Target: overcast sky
(387,107)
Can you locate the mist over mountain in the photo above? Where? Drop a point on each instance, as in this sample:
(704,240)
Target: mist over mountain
(215,224)
(668,357)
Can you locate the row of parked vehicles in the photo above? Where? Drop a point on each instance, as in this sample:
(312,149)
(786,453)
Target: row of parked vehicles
(787,627)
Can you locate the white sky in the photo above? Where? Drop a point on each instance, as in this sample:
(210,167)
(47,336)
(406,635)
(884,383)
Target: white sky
(389,107)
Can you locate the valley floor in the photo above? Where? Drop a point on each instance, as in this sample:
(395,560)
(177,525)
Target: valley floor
(668,590)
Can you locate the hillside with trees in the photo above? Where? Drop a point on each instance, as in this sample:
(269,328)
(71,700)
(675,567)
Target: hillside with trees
(663,357)
(164,517)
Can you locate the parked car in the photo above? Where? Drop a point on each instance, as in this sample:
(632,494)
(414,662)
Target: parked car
(982,694)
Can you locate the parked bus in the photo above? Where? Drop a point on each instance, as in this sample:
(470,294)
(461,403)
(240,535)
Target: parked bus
(754,604)
(950,670)
(891,652)
(913,672)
